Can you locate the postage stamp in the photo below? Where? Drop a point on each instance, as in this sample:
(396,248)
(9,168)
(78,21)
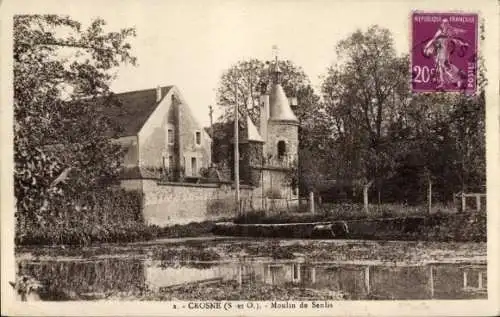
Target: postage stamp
(444,52)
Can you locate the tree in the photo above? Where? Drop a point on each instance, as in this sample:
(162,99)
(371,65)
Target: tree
(442,138)
(382,133)
(363,94)
(244,80)
(61,143)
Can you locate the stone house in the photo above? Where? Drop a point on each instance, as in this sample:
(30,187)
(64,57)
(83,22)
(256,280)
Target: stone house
(160,134)
(166,150)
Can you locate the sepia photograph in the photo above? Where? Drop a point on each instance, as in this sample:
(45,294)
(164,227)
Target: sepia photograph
(249,157)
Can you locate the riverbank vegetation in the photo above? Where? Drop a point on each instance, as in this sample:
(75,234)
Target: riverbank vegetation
(410,223)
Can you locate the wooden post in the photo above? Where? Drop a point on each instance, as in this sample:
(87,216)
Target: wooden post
(236,154)
(463,202)
(429,196)
(296,269)
(262,163)
(313,275)
(365,198)
(431,281)
(311,202)
(272,275)
(210,113)
(367,279)
(478,202)
(365,195)
(298,272)
(465,279)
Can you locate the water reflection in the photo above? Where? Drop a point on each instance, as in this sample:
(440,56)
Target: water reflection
(87,280)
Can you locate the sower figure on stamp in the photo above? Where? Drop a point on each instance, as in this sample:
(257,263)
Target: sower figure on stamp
(442,46)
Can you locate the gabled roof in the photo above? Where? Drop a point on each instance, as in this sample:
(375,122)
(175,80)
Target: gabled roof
(208,131)
(136,107)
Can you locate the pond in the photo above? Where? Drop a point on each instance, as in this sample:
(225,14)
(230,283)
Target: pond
(243,270)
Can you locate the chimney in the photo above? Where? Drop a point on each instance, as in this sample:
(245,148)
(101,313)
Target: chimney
(158,93)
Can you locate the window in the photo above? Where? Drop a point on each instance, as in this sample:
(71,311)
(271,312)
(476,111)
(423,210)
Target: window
(281,150)
(170,136)
(194,168)
(197,137)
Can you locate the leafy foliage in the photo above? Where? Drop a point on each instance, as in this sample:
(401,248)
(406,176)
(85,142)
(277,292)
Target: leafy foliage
(61,70)
(382,133)
(363,95)
(245,81)
(108,215)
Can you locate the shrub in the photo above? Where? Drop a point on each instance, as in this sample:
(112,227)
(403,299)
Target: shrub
(103,215)
(85,235)
(457,227)
(193,229)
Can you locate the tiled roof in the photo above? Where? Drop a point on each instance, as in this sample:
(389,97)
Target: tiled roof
(135,109)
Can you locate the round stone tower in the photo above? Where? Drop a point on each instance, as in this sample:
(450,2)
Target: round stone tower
(282,126)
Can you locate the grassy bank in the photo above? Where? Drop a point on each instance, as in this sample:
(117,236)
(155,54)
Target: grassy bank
(130,231)
(438,226)
(346,211)
(125,224)
(193,229)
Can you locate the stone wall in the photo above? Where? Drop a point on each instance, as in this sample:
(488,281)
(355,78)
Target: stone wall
(273,183)
(168,204)
(180,203)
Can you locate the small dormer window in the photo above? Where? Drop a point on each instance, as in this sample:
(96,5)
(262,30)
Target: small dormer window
(281,150)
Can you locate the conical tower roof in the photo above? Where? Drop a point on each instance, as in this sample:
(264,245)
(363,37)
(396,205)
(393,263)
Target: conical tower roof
(253,133)
(248,131)
(279,107)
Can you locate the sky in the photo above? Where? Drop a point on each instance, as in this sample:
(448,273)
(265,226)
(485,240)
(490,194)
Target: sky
(191,43)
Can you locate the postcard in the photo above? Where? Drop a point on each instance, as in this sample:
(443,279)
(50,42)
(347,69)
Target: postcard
(250,158)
